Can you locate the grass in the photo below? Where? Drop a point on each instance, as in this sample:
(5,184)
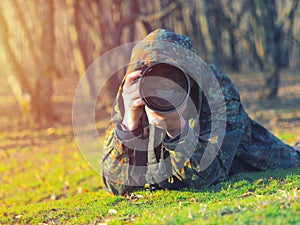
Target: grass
(45,180)
(47,166)
(249,198)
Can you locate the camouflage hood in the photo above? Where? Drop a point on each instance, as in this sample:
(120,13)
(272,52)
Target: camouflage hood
(165,46)
(205,106)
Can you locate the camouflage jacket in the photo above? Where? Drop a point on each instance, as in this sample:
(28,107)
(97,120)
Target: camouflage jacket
(220,138)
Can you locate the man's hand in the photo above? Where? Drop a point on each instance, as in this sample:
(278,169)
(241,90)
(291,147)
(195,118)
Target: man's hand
(133,103)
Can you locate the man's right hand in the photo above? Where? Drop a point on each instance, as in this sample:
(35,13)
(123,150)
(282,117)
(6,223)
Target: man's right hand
(133,103)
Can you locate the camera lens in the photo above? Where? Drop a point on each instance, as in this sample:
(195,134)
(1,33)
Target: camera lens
(164,87)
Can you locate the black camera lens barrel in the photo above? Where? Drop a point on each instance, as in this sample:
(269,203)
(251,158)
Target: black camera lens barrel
(164,87)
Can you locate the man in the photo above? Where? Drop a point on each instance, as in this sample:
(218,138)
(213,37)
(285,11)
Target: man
(203,141)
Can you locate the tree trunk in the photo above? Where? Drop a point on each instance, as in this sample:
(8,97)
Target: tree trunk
(234,61)
(81,40)
(266,44)
(270,42)
(197,31)
(271,86)
(136,10)
(42,103)
(214,34)
(11,57)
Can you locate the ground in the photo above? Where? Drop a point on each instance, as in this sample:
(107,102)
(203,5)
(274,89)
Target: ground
(44,178)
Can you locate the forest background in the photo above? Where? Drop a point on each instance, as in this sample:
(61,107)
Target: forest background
(46,47)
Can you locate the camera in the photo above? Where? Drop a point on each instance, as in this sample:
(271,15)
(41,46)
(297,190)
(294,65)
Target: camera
(164,87)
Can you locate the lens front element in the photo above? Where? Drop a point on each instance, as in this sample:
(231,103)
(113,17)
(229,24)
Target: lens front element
(164,87)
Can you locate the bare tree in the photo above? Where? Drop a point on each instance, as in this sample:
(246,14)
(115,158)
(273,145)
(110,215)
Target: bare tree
(230,33)
(42,60)
(269,40)
(42,103)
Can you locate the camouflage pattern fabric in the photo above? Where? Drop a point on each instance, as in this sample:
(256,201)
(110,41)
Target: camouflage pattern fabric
(247,146)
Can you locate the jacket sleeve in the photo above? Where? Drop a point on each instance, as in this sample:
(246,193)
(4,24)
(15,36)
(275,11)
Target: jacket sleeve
(122,166)
(201,159)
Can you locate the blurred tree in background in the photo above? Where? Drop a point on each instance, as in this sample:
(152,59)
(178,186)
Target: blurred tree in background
(49,39)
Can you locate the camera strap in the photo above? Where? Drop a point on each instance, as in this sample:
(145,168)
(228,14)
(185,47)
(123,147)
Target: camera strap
(155,141)
(156,171)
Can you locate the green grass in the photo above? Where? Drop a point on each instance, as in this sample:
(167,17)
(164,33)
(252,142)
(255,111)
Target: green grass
(287,136)
(40,165)
(250,198)
(45,180)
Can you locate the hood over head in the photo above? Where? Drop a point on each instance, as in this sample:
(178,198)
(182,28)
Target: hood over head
(164,46)
(160,45)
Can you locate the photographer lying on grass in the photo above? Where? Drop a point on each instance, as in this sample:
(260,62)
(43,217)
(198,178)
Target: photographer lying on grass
(171,132)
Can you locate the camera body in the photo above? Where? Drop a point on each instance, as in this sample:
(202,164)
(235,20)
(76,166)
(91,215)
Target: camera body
(164,87)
